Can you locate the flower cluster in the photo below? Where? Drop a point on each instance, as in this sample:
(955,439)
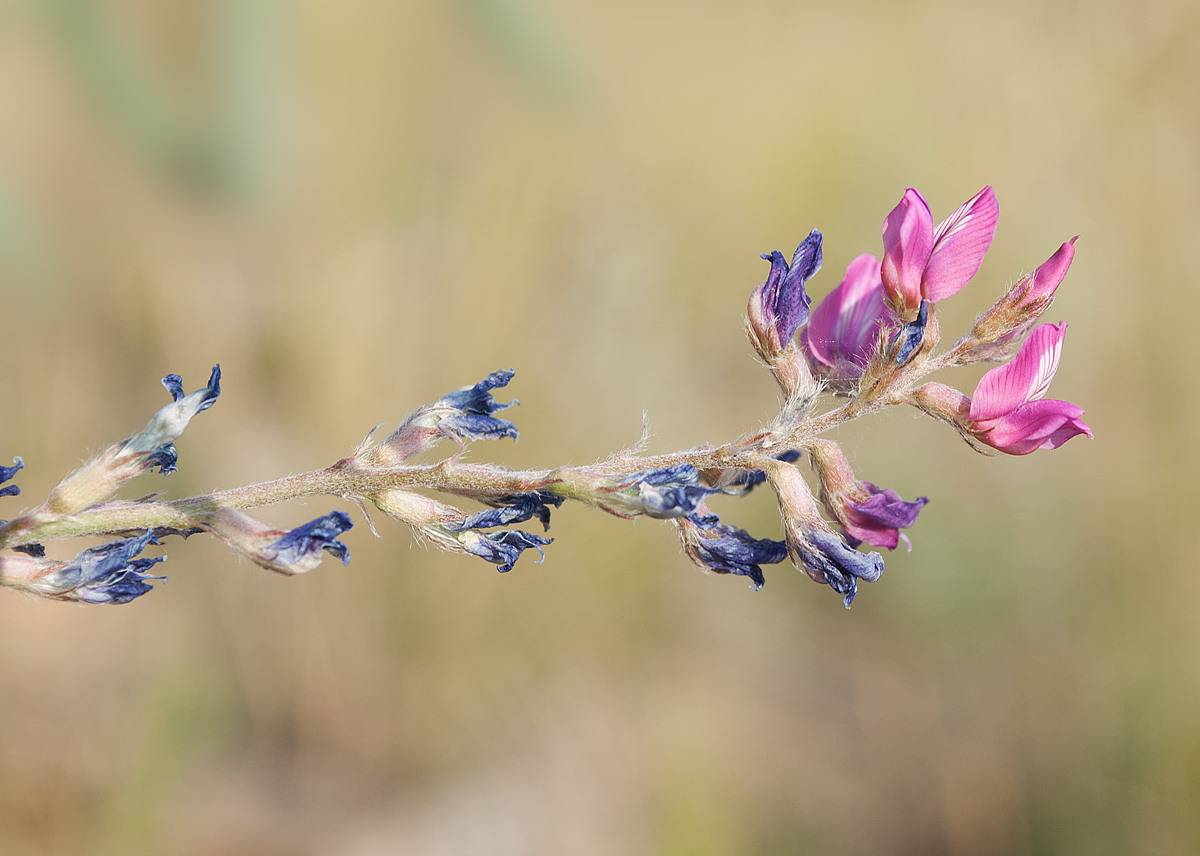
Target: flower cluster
(871,343)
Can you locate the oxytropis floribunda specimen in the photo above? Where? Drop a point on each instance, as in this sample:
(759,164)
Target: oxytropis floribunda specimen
(871,343)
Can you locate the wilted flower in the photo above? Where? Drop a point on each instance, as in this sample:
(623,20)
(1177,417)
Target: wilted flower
(813,548)
(105,574)
(286,552)
(844,330)
(727,549)
(513,509)
(465,414)
(673,491)
(866,512)
(151,447)
(450,529)
(1008,411)
(156,440)
(827,558)
(502,548)
(924,263)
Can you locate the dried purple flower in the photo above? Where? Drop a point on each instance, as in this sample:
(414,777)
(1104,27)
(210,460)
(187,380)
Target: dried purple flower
(784,302)
(840,565)
(294,552)
(727,549)
(668,492)
(513,509)
(502,548)
(475,406)
(307,541)
(105,574)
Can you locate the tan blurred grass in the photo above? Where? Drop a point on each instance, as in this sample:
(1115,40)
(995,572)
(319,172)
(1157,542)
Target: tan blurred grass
(401,198)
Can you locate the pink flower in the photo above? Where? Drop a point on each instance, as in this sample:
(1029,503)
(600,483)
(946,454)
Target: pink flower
(843,332)
(1008,412)
(923,262)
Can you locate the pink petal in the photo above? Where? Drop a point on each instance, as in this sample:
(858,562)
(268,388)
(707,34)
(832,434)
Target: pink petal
(1045,424)
(845,324)
(959,245)
(1025,378)
(1045,280)
(907,243)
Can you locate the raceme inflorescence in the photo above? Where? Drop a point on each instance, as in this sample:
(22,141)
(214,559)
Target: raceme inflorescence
(870,344)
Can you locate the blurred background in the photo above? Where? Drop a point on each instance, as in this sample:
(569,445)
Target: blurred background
(355,207)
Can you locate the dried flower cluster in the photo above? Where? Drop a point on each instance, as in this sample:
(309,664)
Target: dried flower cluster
(872,342)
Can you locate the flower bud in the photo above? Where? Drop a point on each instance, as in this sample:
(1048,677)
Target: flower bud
(1014,313)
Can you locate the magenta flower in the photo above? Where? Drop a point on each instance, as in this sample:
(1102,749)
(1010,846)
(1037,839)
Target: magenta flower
(843,332)
(1008,412)
(923,262)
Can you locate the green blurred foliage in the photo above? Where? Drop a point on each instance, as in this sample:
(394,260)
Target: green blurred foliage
(356,207)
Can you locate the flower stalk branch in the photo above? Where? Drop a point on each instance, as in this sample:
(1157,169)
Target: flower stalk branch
(872,342)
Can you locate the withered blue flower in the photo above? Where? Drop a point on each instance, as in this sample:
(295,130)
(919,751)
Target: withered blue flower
(313,537)
(504,548)
(106,574)
(155,441)
(842,566)
(513,509)
(673,491)
(476,405)
(729,550)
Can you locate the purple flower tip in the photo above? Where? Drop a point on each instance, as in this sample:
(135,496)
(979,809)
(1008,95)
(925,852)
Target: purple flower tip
(784,300)
(164,457)
(879,519)
(174,385)
(909,337)
(312,537)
